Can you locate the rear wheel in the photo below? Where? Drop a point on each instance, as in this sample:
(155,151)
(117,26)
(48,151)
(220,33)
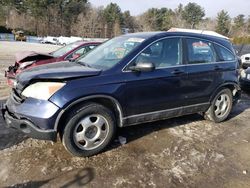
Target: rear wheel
(89,130)
(220,107)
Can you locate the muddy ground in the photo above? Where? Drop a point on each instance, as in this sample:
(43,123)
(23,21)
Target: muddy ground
(180,152)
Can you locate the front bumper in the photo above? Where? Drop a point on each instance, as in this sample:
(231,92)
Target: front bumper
(28,127)
(35,118)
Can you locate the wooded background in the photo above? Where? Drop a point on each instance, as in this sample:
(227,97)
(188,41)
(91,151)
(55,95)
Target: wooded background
(81,18)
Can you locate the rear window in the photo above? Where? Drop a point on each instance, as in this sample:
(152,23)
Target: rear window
(223,53)
(200,51)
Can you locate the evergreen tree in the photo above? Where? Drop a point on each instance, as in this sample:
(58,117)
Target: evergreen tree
(193,14)
(223,23)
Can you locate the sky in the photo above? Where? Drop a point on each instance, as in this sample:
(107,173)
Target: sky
(212,7)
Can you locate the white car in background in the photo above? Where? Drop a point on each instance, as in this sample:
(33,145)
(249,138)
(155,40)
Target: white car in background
(245,59)
(49,40)
(67,40)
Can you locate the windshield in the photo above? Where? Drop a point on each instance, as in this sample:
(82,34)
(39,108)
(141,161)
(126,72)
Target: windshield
(64,50)
(111,52)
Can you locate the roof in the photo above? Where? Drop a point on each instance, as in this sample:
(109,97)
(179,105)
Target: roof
(182,32)
(161,34)
(206,32)
(144,34)
(19,32)
(82,42)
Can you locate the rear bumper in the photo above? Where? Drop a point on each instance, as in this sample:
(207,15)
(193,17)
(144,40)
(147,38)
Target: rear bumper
(35,118)
(245,84)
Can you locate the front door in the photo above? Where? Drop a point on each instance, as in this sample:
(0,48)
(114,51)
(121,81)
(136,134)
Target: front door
(161,89)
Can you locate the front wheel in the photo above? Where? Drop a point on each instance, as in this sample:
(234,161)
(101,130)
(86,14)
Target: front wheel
(89,130)
(221,106)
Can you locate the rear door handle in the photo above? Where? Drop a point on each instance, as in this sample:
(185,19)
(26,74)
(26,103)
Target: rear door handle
(177,72)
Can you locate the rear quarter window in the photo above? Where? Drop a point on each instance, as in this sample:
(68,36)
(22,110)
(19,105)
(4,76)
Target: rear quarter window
(223,53)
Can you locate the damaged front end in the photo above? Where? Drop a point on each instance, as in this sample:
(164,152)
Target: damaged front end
(10,74)
(19,114)
(29,108)
(23,61)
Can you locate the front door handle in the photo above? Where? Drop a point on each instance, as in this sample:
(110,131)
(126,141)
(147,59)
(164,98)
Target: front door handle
(177,72)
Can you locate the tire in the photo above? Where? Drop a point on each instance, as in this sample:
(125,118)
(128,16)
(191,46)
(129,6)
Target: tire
(88,130)
(220,107)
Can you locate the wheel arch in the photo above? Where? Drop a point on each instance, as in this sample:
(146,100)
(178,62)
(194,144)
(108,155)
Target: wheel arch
(234,87)
(105,100)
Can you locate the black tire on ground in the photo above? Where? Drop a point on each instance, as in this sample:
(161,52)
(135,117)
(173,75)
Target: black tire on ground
(81,119)
(213,114)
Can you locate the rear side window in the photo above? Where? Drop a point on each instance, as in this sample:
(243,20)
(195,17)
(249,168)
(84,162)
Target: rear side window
(200,51)
(223,53)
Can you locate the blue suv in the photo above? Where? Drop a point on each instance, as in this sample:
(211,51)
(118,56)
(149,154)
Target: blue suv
(128,80)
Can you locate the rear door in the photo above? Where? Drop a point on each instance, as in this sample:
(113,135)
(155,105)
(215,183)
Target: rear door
(201,69)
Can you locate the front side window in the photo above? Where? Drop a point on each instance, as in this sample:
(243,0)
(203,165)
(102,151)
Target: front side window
(224,54)
(81,51)
(162,54)
(200,51)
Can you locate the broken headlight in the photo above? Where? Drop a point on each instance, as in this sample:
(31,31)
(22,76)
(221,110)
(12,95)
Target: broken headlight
(42,90)
(26,64)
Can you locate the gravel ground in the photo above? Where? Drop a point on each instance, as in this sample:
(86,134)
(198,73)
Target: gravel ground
(180,152)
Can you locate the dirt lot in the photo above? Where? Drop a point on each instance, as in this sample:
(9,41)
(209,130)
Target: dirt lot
(180,152)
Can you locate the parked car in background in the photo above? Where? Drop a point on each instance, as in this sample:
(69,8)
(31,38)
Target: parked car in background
(245,61)
(19,36)
(67,40)
(49,40)
(245,72)
(28,59)
(245,79)
(128,80)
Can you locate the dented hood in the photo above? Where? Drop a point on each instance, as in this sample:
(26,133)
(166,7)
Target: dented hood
(55,72)
(31,56)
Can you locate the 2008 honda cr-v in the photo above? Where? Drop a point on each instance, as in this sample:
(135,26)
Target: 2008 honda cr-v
(128,80)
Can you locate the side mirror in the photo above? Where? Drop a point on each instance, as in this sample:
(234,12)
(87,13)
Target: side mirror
(143,67)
